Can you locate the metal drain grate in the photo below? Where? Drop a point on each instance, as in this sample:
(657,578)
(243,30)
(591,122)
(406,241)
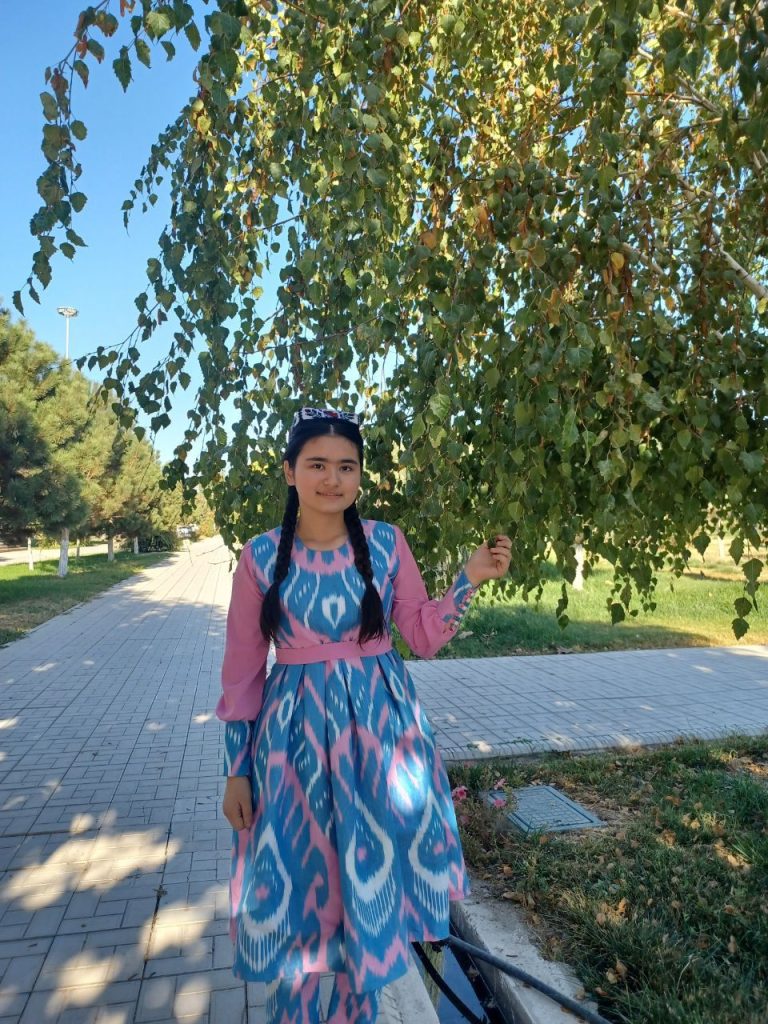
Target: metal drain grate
(544,809)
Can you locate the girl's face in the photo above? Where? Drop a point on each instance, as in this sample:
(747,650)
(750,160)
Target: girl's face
(326,474)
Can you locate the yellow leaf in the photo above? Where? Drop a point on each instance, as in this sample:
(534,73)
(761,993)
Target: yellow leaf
(617,261)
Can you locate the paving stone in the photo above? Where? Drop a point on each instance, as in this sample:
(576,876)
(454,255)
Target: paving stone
(113,846)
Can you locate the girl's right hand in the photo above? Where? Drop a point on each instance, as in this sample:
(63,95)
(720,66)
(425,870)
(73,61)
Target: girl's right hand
(238,802)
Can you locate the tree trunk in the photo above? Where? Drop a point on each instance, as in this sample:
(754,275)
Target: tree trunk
(77,550)
(578,580)
(64,551)
(110,548)
(31,561)
(135,545)
(721,545)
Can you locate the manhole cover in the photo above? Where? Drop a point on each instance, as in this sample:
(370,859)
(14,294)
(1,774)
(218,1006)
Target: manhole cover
(544,809)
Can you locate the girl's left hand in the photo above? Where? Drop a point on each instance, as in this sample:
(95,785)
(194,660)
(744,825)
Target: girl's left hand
(489,563)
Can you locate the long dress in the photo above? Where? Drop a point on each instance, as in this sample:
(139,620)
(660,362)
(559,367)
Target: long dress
(353,851)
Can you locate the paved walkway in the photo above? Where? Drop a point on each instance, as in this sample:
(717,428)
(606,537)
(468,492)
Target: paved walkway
(114,853)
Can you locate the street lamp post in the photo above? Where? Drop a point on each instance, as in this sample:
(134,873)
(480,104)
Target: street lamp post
(67,312)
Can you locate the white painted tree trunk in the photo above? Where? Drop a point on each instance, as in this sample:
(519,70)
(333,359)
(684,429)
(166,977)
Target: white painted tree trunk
(77,552)
(578,580)
(110,548)
(135,545)
(30,559)
(64,551)
(721,545)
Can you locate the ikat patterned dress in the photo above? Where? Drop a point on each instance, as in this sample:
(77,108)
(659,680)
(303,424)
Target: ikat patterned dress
(353,851)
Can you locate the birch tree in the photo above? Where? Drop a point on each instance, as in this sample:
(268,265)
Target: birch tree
(528,240)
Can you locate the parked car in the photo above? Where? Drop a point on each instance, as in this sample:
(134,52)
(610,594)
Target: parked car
(191,530)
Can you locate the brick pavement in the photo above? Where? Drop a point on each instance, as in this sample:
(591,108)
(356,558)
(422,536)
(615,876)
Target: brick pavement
(114,853)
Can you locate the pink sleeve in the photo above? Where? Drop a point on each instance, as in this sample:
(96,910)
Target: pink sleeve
(426,625)
(243,672)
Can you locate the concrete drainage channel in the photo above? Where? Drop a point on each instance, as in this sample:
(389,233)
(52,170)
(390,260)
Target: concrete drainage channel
(485,922)
(460,982)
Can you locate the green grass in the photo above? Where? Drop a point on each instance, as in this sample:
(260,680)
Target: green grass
(690,612)
(28,598)
(663,913)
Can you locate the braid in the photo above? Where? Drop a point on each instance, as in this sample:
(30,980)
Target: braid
(371,609)
(270,609)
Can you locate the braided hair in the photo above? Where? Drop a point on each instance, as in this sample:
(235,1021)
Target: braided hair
(371,609)
(270,609)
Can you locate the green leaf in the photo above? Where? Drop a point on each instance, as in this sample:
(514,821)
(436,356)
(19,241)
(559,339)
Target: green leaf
(617,613)
(743,606)
(170,49)
(752,461)
(122,68)
(79,130)
(701,543)
(440,405)
(157,23)
(193,35)
(17,302)
(727,53)
(81,69)
(570,432)
(96,49)
(143,52)
(225,25)
(539,255)
(740,627)
(752,569)
(377,177)
(736,549)
(50,106)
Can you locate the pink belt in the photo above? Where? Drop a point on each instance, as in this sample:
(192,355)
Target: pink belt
(332,652)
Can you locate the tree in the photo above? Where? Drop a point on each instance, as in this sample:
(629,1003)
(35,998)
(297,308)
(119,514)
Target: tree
(528,239)
(128,492)
(41,425)
(204,517)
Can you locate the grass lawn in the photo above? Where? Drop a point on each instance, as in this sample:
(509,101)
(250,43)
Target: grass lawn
(28,598)
(691,611)
(663,914)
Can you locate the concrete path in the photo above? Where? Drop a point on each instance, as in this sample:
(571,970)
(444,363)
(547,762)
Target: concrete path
(113,850)
(487,707)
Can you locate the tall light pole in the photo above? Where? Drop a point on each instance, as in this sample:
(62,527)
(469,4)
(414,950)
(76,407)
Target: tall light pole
(67,312)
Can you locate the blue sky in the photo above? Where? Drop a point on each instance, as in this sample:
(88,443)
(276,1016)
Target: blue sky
(103,279)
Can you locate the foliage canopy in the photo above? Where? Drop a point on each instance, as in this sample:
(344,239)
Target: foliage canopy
(527,239)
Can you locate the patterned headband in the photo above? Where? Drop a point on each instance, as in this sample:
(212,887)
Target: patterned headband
(306,413)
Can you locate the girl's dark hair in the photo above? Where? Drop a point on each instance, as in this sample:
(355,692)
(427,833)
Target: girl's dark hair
(371,610)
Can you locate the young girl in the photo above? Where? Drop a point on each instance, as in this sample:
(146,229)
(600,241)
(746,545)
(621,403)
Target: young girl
(345,847)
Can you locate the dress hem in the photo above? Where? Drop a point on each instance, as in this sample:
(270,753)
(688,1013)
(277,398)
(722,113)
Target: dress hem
(425,936)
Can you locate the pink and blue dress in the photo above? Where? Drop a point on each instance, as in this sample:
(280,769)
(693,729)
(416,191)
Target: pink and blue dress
(353,851)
